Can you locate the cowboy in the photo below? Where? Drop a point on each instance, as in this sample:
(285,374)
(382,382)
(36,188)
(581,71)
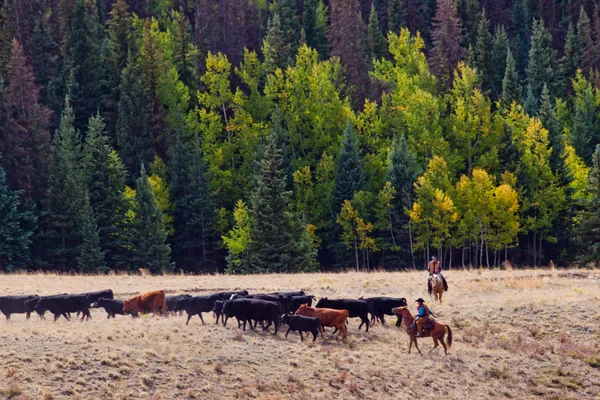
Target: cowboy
(423,313)
(435,267)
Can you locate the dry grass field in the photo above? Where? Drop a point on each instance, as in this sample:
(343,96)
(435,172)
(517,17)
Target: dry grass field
(517,334)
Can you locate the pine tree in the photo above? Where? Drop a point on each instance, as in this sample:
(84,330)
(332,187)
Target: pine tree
(45,60)
(25,146)
(290,24)
(521,32)
(314,23)
(588,231)
(555,136)
(17,223)
(511,88)
(87,65)
(90,258)
(377,42)
(64,201)
(542,67)
(396,15)
(6,36)
(347,35)
(349,176)
(194,241)
(469,14)
(277,238)
(569,62)
(483,51)
(149,237)
(120,45)
(585,133)
(104,176)
(134,139)
(274,49)
(402,172)
(498,62)
(447,37)
(185,53)
(585,42)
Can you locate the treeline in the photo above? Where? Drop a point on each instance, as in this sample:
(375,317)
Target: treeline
(293,135)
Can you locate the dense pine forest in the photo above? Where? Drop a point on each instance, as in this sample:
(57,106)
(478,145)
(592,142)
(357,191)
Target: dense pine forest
(296,135)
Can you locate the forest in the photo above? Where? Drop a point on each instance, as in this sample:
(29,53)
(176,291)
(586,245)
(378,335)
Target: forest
(247,136)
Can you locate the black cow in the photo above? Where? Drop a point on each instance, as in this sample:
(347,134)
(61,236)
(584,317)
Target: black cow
(172,301)
(16,305)
(297,301)
(380,306)
(285,301)
(248,309)
(196,305)
(301,324)
(356,308)
(64,305)
(113,307)
(31,304)
(227,295)
(102,294)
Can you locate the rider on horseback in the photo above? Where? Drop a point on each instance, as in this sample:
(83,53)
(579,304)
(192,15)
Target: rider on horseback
(435,267)
(423,313)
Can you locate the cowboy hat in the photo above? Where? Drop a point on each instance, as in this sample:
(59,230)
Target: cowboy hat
(419,300)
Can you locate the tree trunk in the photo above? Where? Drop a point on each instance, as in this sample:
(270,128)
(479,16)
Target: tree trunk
(487,255)
(540,249)
(463,256)
(505,252)
(450,263)
(534,244)
(412,252)
(356,255)
(495,258)
(476,251)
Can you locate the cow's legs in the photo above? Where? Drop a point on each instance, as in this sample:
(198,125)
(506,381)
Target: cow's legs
(382,319)
(301,338)
(7,317)
(315,334)
(288,331)
(189,317)
(245,325)
(201,319)
(28,315)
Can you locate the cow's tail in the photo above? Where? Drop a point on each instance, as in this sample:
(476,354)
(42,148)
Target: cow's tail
(449,336)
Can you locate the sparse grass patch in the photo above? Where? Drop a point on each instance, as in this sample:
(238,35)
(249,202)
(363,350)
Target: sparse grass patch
(10,372)
(523,283)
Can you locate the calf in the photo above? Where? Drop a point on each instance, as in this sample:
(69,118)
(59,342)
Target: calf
(285,301)
(328,317)
(356,308)
(102,294)
(113,307)
(380,306)
(196,306)
(172,301)
(245,309)
(16,305)
(152,301)
(301,324)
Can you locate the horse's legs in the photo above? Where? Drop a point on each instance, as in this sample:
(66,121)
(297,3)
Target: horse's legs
(417,346)
(435,344)
(409,345)
(444,346)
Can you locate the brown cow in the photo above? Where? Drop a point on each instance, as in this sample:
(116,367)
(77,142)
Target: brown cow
(152,301)
(328,317)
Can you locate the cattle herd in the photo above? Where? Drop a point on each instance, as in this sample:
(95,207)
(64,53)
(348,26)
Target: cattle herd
(293,309)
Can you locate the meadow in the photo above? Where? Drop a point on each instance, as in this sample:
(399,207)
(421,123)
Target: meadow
(517,334)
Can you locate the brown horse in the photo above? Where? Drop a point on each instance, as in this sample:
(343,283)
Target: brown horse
(437,287)
(437,333)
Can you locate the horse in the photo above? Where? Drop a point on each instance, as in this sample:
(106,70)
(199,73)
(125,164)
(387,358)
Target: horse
(437,287)
(437,333)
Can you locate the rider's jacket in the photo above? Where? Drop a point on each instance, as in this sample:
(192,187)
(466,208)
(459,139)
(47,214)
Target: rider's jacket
(435,267)
(423,310)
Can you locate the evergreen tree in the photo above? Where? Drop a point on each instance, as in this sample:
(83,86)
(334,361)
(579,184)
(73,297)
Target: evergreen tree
(290,24)
(194,241)
(447,37)
(314,23)
(64,201)
(45,60)
(498,62)
(468,12)
(588,231)
(521,32)
(274,48)
(511,88)
(85,51)
(149,236)
(569,62)
(483,51)
(542,67)
(277,235)
(555,137)
(90,257)
(586,122)
(585,42)
(349,176)
(25,139)
(134,139)
(347,35)
(377,42)
(120,45)
(402,172)
(396,15)
(184,53)
(6,37)
(104,176)
(17,223)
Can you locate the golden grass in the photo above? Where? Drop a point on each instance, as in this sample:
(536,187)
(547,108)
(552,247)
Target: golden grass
(517,334)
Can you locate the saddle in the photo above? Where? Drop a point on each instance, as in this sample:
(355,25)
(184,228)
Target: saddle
(428,327)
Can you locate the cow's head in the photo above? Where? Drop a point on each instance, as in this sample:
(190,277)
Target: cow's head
(130,304)
(285,319)
(302,309)
(228,308)
(322,302)
(180,304)
(218,306)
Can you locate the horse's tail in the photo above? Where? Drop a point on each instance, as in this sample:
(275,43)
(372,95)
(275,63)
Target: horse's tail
(449,336)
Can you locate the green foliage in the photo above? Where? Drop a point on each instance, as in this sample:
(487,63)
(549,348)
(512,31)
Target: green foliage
(349,176)
(149,246)
(497,67)
(238,239)
(274,48)
(314,23)
(396,15)
(90,257)
(377,43)
(542,67)
(584,131)
(483,51)
(17,223)
(512,91)
(587,231)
